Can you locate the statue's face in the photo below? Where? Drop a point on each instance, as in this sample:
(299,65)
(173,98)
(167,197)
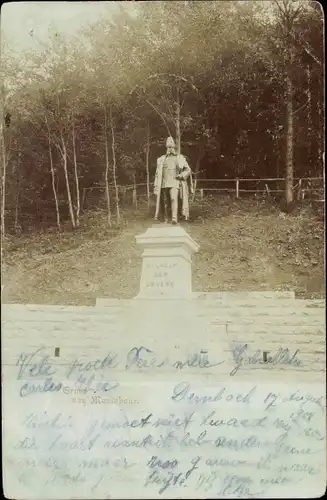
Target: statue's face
(170,150)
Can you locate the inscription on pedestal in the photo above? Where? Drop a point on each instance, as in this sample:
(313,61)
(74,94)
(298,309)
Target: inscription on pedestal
(167,260)
(160,275)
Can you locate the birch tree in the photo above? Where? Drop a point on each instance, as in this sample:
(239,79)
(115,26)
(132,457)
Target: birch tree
(5,156)
(147,160)
(6,125)
(222,78)
(52,169)
(106,175)
(114,161)
(288,13)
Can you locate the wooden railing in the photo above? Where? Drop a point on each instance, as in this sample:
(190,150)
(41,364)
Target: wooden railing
(303,188)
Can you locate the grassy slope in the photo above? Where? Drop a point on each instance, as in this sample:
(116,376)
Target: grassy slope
(242,247)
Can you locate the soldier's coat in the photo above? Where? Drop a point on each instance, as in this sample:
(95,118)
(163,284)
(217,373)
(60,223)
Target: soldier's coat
(185,185)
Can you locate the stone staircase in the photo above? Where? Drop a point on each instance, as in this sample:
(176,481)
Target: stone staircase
(271,333)
(270,322)
(254,325)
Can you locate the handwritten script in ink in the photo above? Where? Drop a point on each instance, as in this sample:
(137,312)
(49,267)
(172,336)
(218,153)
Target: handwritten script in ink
(184,439)
(243,356)
(39,373)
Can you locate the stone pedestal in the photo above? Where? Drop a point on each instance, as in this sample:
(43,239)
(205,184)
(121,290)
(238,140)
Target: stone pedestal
(166,262)
(182,362)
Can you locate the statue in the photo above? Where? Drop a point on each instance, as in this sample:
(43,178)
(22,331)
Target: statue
(172,184)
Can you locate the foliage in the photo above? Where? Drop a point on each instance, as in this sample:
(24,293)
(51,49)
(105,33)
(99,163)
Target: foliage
(223,62)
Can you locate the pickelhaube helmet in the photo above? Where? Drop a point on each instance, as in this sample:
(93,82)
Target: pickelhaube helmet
(170,143)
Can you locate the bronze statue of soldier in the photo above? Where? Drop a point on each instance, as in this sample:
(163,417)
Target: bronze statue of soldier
(172,184)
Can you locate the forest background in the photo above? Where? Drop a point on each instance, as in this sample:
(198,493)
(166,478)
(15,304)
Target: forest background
(239,85)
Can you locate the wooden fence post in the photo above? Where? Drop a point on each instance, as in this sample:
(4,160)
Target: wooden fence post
(302,191)
(201,194)
(83,198)
(194,189)
(237,188)
(299,189)
(134,197)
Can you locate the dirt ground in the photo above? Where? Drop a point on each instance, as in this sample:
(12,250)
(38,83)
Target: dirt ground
(243,246)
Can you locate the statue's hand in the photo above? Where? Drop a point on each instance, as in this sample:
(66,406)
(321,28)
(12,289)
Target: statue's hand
(179,177)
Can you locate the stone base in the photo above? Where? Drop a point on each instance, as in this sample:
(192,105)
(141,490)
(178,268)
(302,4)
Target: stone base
(166,262)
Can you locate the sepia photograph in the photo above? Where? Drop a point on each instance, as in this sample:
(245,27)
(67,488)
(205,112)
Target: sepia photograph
(163,330)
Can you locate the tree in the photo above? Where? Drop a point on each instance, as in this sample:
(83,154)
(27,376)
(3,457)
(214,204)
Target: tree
(53,177)
(94,110)
(287,15)
(7,122)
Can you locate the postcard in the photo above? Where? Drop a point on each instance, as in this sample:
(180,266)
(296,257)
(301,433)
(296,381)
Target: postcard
(162,221)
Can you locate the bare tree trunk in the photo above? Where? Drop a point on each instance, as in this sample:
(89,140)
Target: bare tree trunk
(134,191)
(114,165)
(196,171)
(278,159)
(3,178)
(321,138)
(288,13)
(54,189)
(63,151)
(178,120)
(107,166)
(289,131)
(309,116)
(147,156)
(17,225)
(78,200)
(69,196)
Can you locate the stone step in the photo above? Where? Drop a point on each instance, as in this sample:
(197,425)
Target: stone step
(266,320)
(107,302)
(260,330)
(257,312)
(244,295)
(259,302)
(62,314)
(53,336)
(243,320)
(206,302)
(256,320)
(118,304)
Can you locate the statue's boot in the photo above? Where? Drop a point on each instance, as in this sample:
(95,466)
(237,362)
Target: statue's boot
(166,217)
(174,205)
